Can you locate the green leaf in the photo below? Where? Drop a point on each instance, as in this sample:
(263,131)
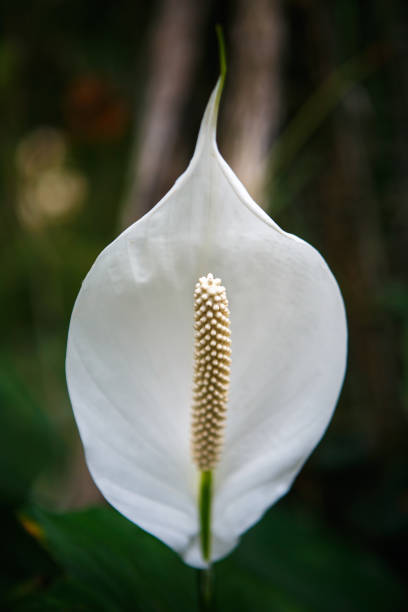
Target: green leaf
(289,562)
(26,441)
(25,565)
(113,565)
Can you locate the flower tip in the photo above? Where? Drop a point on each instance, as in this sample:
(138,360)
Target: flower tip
(221,51)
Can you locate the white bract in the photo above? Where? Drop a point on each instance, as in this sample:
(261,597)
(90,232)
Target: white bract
(130,356)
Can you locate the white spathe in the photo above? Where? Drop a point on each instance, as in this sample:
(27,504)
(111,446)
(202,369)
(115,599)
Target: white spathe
(130,356)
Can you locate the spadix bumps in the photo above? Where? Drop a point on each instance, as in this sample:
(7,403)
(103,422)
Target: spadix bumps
(130,359)
(212,371)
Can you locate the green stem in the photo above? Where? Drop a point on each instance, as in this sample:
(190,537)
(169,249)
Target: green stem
(204,504)
(205,590)
(222,59)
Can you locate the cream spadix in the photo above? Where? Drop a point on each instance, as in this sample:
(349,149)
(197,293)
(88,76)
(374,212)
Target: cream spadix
(130,357)
(212,352)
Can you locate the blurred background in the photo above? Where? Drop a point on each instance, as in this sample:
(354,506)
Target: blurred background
(100,106)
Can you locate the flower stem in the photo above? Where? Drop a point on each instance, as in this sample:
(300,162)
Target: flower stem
(204,504)
(205,590)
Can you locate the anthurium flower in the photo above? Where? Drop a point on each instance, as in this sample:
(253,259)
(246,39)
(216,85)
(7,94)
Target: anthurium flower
(197,466)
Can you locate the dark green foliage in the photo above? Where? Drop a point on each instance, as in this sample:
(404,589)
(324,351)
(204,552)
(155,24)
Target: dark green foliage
(288,562)
(26,441)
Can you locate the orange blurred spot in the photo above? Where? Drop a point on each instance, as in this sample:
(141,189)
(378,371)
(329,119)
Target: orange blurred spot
(33,528)
(95,110)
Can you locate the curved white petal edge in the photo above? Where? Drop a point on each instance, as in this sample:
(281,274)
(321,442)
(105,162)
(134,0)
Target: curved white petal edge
(130,356)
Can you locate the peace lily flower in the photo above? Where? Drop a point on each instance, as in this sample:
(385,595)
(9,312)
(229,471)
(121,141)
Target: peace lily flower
(197,466)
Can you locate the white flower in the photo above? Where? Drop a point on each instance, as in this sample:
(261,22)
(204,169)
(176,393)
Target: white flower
(130,356)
